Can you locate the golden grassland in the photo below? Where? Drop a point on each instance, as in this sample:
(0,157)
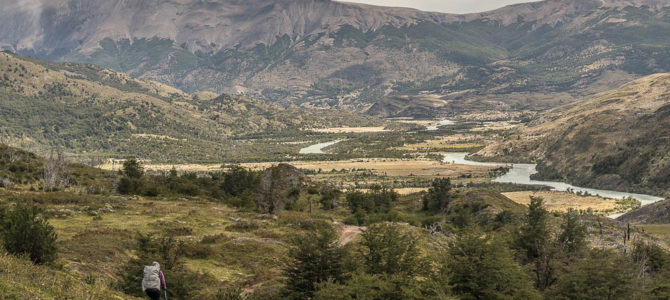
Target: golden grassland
(562,201)
(20,279)
(388,167)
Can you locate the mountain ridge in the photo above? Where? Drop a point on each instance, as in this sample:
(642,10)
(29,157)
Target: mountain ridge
(319,53)
(615,140)
(87,109)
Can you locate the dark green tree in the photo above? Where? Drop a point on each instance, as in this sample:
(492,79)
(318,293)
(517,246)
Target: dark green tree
(602,274)
(329,198)
(439,195)
(239,180)
(133,169)
(480,266)
(572,234)
(378,200)
(533,241)
(316,257)
(533,234)
(389,250)
(27,232)
(379,287)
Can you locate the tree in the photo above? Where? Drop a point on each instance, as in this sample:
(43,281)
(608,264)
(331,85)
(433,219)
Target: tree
(481,267)
(378,287)
(54,173)
(439,195)
(533,233)
(316,257)
(388,250)
(603,274)
(573,233)
(378,200)
(238,180)
(133,169)
(329,198)
(27,232)
(533,240)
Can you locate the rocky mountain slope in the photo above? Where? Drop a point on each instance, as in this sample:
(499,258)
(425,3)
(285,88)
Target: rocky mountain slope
(616,140)
(84,108)
(656,213)
(332,54)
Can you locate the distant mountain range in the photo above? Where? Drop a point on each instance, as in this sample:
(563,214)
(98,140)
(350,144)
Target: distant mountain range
(331,54)
(87,109)
(617,140)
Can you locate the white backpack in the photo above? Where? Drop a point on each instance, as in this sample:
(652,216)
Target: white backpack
(151,278)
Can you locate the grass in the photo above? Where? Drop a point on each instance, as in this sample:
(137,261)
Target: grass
(562,201)
(248,252)
(20,279)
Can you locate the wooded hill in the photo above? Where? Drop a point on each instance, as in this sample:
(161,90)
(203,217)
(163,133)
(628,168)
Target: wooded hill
(87,109)
(617,140)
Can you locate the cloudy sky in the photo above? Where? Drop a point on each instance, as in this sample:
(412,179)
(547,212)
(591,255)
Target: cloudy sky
(447,6)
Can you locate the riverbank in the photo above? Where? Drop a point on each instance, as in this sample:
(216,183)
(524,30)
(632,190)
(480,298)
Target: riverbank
(521,174)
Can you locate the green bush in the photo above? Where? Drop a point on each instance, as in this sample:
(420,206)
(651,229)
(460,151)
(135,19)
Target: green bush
(389,250)
(439,195)
(27,232)
(315,258)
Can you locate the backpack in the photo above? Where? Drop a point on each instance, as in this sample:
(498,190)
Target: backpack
(151,279)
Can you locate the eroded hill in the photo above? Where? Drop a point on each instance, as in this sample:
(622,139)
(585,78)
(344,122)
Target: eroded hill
(616,140)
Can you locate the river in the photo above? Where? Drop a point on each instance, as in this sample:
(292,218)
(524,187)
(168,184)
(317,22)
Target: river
(437,125)
(520,174)
(317,148)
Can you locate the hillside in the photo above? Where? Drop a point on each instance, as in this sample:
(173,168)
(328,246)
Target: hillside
(616,140)
(18,281)
(87,109)
(333,54)
(656,213)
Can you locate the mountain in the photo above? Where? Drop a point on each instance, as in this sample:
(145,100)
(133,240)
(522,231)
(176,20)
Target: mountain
(617,140)
(332,54)
(655,213)
(91,110)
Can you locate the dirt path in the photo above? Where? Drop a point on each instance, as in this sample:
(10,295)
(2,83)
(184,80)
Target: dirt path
(348,233)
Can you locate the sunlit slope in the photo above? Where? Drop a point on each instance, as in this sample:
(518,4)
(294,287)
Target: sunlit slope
(617,140)
(84,108)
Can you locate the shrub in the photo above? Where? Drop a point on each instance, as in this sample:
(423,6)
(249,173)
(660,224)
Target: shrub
(315,258)
(439,196)
(133,169)
(27,232)
(481,267)
(388,250)
(129,186)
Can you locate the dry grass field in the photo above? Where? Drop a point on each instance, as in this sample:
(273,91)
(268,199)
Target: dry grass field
(388,166)
(562,201)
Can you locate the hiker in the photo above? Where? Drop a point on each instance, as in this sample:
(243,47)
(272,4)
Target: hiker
(153,281)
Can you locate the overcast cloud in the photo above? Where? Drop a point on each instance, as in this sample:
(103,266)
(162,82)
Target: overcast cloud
(446,6)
